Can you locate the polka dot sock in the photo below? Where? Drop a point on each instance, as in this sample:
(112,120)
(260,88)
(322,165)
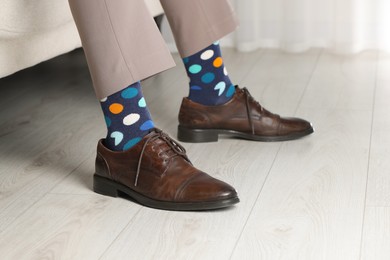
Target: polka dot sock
(127,117)
(209,81)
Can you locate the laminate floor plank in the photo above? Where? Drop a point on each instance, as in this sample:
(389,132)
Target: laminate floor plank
(63,226)
(376,235)
(279,80)
(378,193)
(343,82)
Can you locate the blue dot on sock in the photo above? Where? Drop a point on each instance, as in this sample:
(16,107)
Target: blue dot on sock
(220,87)
(147,125)
(142,102)
(129,93)
(117,136)
(186,60)
(108,121)
(131,143)
(230,91)
(196,88)
(194,69)
(208,77)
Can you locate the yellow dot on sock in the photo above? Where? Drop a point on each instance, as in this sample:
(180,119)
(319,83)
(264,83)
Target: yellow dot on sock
(218,62)
(116,108)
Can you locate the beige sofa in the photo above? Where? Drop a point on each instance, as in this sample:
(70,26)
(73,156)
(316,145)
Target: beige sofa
(32,31)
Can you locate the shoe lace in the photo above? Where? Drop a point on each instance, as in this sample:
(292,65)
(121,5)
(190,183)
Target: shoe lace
(249,98)
(174,146)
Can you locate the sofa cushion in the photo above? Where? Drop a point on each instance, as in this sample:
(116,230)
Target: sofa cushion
(35,31)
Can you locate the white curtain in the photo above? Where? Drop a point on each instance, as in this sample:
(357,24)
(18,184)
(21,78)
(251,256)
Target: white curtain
(343,26)
(295,25)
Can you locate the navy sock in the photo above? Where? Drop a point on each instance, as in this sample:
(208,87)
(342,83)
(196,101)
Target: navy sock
(127,117)
(209,81)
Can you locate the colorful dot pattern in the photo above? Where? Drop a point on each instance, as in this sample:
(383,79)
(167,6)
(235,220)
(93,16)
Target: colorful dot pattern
(208,77)
(127,118)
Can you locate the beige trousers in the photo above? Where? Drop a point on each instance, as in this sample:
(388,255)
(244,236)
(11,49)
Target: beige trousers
(123,45)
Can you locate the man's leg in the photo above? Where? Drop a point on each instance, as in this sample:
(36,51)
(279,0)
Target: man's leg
(123,46)
(215,106)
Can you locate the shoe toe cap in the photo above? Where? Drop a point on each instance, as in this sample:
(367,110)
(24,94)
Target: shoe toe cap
(290,125)
(205,188)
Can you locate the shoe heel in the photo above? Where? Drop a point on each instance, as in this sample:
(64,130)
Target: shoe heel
(196,135)
(104,186)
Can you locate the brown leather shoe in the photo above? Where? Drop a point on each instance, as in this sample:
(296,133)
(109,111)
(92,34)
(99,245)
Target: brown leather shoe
(157,173)
(241,117)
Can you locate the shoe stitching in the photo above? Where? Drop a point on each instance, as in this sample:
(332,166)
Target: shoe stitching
(183,186)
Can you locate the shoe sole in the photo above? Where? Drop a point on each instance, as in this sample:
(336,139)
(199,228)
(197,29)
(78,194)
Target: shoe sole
(211,135)
(111,188)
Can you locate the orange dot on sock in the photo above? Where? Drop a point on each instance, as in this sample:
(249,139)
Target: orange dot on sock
(218,62)
(116,108)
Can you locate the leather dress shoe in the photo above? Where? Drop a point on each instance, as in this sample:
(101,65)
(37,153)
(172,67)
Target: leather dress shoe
(241,117)
(157,173)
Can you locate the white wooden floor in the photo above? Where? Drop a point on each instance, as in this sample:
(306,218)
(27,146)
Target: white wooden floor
(322,197)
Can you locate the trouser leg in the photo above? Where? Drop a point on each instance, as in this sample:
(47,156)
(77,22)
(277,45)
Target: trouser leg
(121,41)
(198,23)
